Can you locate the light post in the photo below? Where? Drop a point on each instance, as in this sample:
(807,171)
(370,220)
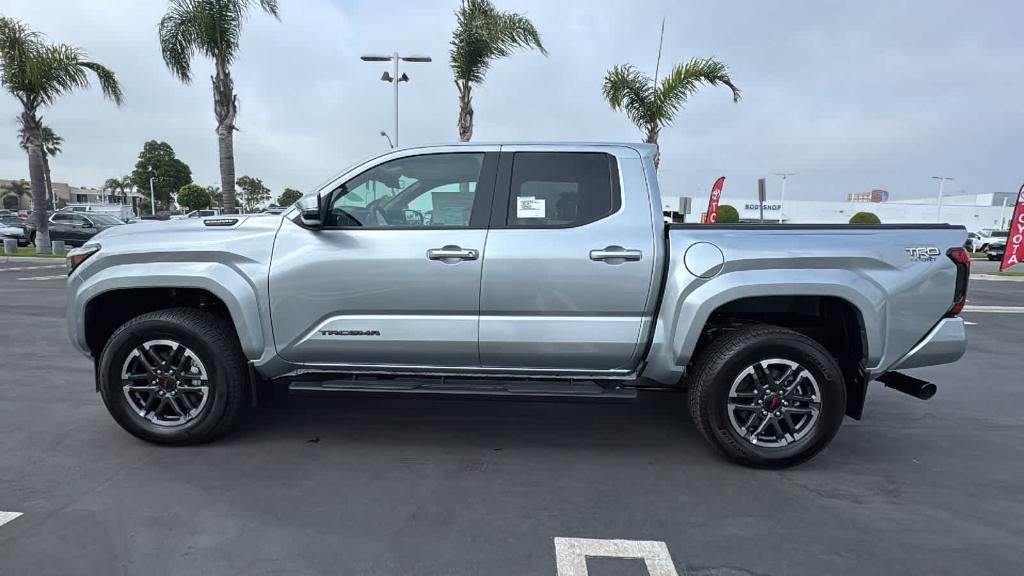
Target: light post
(385,134)
(782,197)
(394,57)
(942,184)
(152,197)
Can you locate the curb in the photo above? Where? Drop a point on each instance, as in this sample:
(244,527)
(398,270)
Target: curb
(997,278)
(29,259)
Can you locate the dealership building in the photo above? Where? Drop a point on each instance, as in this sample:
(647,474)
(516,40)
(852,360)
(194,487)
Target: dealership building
(973,211)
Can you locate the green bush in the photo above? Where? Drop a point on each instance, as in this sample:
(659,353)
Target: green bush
(727,215)
(194,197)
(864,218)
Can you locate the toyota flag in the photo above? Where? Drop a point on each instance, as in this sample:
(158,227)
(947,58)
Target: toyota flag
(716,194)
(1014,252)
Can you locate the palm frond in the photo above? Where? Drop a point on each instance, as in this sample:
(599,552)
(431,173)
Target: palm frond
(684,80)
(630,90)
(107,79)
(177,32)
(483,34)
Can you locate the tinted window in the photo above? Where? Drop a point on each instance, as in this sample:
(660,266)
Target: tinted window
(61,216)
(418,191)
(562,189)
(105,220)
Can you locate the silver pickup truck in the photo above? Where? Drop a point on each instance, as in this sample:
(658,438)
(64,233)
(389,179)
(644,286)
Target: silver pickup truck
(515,270)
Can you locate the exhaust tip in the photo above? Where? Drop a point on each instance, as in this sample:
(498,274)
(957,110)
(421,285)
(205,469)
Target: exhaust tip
(909,385)
(927,391)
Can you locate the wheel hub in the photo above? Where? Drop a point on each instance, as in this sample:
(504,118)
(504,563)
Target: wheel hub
(773,403)
(165,382)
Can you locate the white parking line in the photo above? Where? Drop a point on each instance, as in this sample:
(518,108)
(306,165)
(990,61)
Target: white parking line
(22,268)
(998,309)
(45,277)
(6,517)
(571,555)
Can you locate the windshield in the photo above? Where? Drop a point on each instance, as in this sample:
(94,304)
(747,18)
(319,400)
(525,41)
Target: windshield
(105,219)
(1002,234)
(10,220)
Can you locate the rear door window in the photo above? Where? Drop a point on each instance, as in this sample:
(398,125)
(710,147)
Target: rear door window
(562,189)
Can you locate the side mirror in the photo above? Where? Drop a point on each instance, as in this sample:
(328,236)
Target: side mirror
(86,224)
(311,213)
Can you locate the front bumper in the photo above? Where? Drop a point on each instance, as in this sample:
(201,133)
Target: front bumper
(946,343)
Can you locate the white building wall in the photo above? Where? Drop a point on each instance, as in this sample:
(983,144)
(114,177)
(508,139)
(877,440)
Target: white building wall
(971,216)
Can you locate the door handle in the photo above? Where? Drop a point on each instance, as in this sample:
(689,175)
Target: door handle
(452,253)
(613,253)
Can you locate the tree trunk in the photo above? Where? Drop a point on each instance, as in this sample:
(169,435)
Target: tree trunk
(49,184)
(652,138)
(465,111)
(36,173)
(225,108)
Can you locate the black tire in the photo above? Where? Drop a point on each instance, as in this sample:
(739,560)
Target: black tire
(212,339)
(723,361)
(993,257)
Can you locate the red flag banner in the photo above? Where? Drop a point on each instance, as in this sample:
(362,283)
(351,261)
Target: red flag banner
(1014,252)
(716,194)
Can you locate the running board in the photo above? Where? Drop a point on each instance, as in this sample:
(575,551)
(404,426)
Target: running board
(549,390)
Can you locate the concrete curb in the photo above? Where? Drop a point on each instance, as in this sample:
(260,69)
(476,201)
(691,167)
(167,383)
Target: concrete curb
(997,278)
(29,259)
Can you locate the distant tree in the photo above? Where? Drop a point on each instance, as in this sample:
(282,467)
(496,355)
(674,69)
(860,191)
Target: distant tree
(37,73)
(52,146)
(121,185)
(727,215)
(194,197)
(483,34)
(288,197)
(158,159)
(212,28)
(864,218)
(216,196)
(254,191)
(15,189)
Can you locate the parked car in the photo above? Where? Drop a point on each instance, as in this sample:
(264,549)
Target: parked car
(979,241)
(74,228)
(13,227)
(123,212)
(545,267)
(996,250)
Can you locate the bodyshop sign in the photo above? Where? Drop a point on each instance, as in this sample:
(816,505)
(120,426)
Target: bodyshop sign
(1015,238)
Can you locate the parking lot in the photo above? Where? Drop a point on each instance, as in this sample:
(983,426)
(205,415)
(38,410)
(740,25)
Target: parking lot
(412,486)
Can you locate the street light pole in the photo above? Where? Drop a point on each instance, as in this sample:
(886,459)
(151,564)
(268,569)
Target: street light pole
(385,134)
(152,197)
(942,184)
(394,58)
(782,197)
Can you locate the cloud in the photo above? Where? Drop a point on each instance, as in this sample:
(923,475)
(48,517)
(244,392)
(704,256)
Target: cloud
(850,96)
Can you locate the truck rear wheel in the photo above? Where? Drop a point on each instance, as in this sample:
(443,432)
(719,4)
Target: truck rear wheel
(174,376)
(767,396)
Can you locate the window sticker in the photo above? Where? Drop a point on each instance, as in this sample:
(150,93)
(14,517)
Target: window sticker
(530,207)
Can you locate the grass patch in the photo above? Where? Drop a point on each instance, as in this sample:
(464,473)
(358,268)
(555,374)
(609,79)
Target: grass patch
(31,251)
(1006,273)
(979,255)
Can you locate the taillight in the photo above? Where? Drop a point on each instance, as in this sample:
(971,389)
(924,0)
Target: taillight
(962,258)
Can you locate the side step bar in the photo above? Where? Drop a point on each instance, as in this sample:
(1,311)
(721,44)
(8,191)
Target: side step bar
(547,390)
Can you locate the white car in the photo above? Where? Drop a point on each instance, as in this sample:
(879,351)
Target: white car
(980,241)
(13,227)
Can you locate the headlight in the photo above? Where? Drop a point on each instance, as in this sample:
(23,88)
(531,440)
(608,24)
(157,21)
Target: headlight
(78,255)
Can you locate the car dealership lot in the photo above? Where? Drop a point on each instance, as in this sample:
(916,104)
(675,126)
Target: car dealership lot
(400,486)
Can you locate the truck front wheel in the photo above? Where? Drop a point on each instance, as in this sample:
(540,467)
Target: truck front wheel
(767,396)
(174,376)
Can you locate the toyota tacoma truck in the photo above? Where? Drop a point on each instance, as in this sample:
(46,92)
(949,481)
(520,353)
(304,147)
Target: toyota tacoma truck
(515,270)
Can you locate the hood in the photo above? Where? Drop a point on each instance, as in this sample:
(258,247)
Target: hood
(186,234)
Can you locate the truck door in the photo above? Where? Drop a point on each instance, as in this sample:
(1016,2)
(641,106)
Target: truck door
(567,275)
(393,277)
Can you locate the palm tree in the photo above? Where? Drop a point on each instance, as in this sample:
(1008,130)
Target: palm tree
(37,73)
(651,105)
(482,34)
(122,185)
(17,188)
(52,145)
(211,28)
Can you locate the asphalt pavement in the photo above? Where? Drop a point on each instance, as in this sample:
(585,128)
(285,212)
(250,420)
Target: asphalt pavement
(414,486)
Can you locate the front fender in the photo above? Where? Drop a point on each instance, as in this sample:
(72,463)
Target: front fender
(229,284)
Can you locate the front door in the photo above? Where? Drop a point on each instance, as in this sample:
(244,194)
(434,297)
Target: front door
(393,277)
(567,277)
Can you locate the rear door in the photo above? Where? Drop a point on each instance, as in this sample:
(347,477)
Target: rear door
(393,278)
(567,275)
(61,227)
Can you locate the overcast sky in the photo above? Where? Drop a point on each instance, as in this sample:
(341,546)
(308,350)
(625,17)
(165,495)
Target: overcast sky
(849,95)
